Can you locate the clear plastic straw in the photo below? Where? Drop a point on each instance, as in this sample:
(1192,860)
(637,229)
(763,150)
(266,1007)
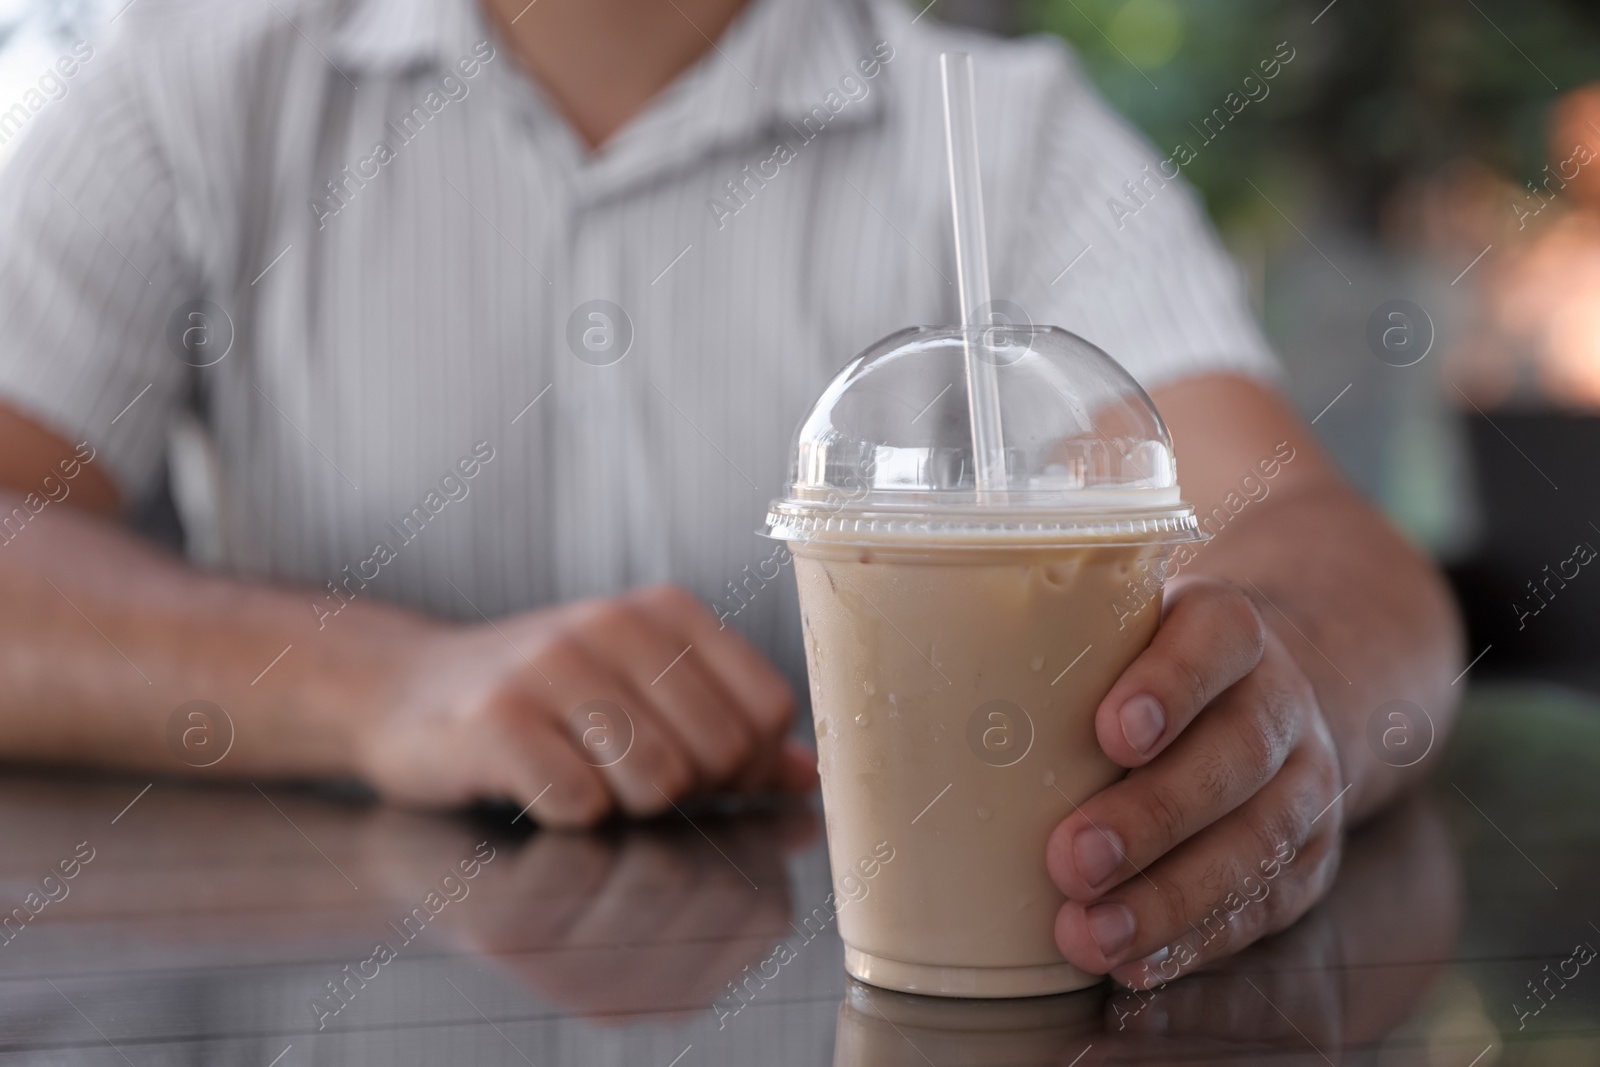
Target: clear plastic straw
(972,268)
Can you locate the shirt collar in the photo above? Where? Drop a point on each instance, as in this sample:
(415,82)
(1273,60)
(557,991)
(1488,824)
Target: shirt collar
(394,35)
(777,63)
(805,50)
(780,62)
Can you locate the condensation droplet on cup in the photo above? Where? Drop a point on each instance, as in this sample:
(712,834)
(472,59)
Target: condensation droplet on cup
(1049,779)
(1059,575)
(1037,663)
(984,814)
(869,688)
(822,728)
(862,719)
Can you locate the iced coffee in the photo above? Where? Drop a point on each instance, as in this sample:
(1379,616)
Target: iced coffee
(958,643)
(954,691)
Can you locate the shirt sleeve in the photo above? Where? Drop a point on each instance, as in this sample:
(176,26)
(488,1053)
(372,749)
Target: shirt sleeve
(1115,246)
(90,273)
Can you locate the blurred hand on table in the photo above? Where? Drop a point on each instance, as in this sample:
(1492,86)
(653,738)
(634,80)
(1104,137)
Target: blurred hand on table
(624,704)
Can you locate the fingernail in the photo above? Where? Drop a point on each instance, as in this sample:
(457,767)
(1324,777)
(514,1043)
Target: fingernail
(1142,722)
(1111,926)
(1096,853)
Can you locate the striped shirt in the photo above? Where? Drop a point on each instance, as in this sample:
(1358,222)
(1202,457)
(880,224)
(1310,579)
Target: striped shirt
(435,342)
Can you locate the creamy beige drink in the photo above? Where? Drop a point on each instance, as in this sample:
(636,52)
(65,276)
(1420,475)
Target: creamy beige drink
(961,632)
(954,689)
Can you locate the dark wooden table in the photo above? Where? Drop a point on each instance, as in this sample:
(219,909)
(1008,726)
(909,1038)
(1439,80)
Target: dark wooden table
(209,923)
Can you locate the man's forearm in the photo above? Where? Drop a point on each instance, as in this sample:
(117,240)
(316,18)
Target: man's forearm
(1366,616)
(105,637)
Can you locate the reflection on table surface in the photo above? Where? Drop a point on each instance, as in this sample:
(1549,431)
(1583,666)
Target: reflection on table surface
(221,926)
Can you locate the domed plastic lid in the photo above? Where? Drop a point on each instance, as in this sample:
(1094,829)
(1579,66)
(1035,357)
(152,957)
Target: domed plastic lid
(887,452)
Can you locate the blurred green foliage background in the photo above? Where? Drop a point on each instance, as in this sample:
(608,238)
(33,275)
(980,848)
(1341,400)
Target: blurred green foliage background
(1379,90)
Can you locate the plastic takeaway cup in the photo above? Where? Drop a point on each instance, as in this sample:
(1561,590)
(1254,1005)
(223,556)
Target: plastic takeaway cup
(959,643)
